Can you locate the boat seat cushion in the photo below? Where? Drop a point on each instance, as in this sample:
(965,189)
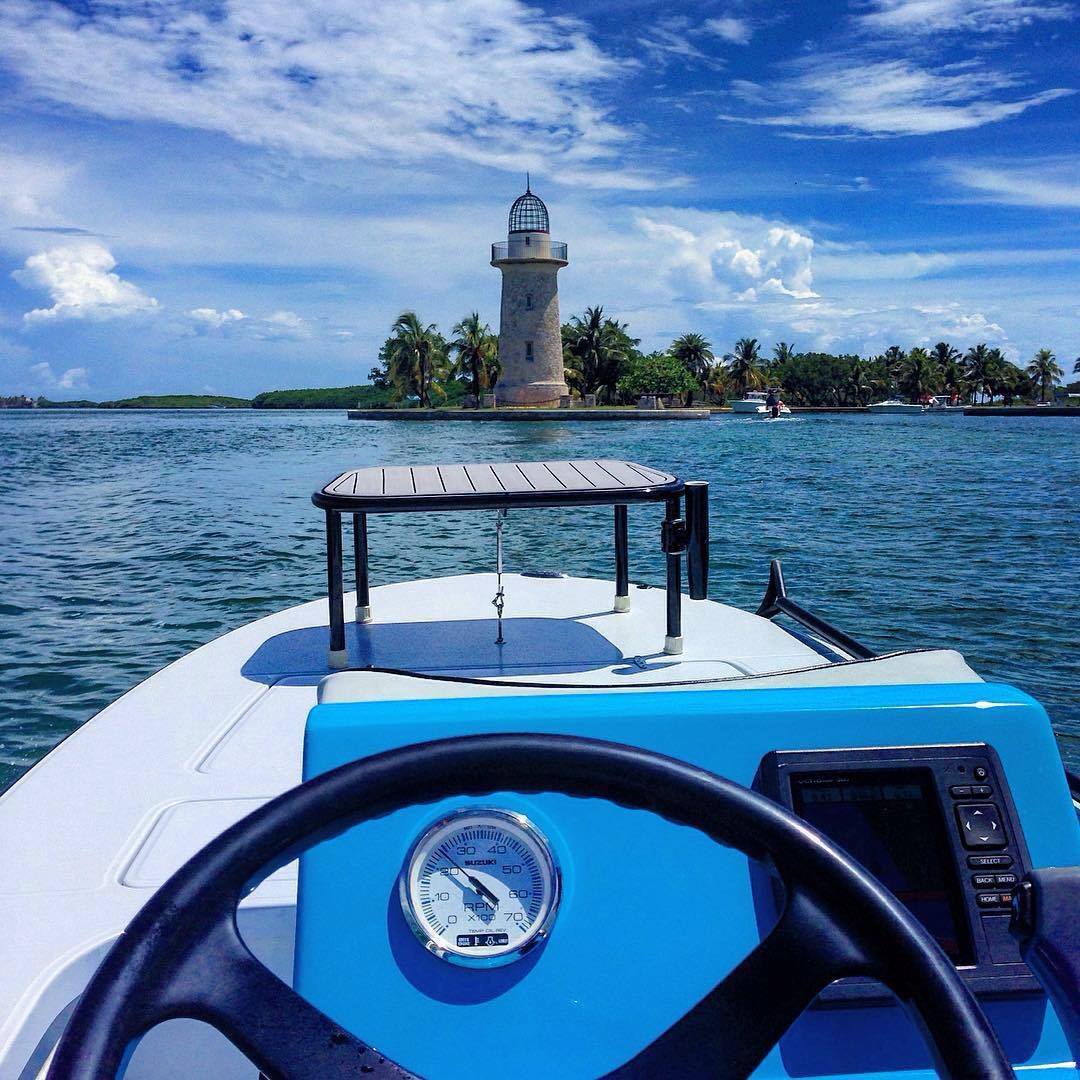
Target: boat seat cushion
(920,666)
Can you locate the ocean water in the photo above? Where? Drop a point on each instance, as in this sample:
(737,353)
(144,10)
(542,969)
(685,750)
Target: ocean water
(127,539)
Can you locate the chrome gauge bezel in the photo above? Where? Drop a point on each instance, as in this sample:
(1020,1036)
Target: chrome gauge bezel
(537,935)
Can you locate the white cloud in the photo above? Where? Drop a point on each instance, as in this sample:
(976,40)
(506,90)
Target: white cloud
(27,185)
(736,31)
(80,281)
(714,257)
(1052,182)
(833,95)
(233,322)
(972,16)
(493,82)
(72,379)
(211,317)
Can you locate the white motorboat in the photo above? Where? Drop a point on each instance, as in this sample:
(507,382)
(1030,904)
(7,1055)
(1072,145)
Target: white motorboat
(895,405)
(754,403)
(484,792)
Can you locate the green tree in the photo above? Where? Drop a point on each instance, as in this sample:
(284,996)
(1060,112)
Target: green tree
(744,365)
(894,359)
(415,358)
(859,381)
(1045,371)
(979,364)
(596,351)
(476,354)
(656,373)
(919,374)
(950,365)
(696,355)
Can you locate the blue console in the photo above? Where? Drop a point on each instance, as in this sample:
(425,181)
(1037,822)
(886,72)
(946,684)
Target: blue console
(653,915)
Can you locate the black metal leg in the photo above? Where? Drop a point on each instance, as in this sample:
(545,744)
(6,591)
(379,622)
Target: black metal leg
(697,539)
(622,561)
(335,591)
(673,642)
(360,560)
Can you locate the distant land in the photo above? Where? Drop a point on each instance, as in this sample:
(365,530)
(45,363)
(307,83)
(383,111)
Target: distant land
(363,396)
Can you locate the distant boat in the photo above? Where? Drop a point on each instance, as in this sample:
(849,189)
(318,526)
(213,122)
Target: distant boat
(945,403)
(754,402)
(895,405)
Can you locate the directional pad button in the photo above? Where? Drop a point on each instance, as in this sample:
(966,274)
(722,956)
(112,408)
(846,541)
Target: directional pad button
(980,825)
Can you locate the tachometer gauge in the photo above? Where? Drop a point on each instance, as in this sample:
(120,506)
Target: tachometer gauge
(480,887)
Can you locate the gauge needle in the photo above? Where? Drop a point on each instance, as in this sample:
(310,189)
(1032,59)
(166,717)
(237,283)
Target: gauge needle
(478,886)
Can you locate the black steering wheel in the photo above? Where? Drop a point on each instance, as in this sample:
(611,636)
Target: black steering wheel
(182,955)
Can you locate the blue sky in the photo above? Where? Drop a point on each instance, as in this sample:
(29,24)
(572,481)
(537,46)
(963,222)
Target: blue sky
(236,195)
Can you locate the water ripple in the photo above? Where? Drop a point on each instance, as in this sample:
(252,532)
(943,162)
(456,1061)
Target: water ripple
(128,539)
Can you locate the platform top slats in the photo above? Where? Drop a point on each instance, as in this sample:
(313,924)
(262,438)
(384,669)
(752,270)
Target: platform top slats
(384,489)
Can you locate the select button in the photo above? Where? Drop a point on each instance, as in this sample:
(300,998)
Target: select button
(980,825)
(993,862)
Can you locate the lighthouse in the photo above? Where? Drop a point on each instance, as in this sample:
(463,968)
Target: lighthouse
(530,334)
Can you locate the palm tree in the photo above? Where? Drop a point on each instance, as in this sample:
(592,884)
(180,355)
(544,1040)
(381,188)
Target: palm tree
(919,374)
(1044,369)
(595,350)
(415,357)
(979,367)
(948,361)
(696,355)
(859,383)
(744,364)
(1076,366)
(476,353)
(894,359)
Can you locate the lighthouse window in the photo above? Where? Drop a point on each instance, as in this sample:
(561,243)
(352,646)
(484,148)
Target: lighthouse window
(528,240)
(528,351)
(528,301)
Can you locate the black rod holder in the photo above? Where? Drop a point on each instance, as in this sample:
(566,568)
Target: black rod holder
(777,602)
(674,544)
(335,591)
(697,539)
(622,561)
(360,560)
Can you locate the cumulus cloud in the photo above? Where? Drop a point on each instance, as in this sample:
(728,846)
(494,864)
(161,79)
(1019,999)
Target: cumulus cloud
(1052,182)
(832,95)
(71,379)
(233,322)
(211,317)
(971,16)
(731,29)
(719,256)
(494,82)
(82,285)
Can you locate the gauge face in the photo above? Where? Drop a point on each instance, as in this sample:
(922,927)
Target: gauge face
(480,887)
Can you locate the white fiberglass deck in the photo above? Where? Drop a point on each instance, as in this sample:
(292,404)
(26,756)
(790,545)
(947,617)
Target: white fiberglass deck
(133,793)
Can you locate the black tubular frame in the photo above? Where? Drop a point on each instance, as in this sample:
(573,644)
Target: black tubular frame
(776,602)
(679,536)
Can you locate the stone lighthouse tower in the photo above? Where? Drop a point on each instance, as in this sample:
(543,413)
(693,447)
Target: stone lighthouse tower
(530,338)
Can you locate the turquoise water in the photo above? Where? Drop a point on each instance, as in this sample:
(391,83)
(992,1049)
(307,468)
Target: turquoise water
(127,539)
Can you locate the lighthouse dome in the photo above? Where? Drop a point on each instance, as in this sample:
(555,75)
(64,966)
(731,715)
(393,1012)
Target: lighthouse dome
(528,214)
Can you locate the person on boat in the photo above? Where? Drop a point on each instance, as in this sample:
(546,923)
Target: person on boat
(772,403)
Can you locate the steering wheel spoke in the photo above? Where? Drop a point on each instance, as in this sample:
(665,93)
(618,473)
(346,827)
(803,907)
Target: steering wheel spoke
(282,1033)
(731,1030)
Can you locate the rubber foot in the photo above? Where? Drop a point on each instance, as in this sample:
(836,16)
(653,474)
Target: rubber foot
(622,603)
(673,645)
(363,613)
(338,659)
